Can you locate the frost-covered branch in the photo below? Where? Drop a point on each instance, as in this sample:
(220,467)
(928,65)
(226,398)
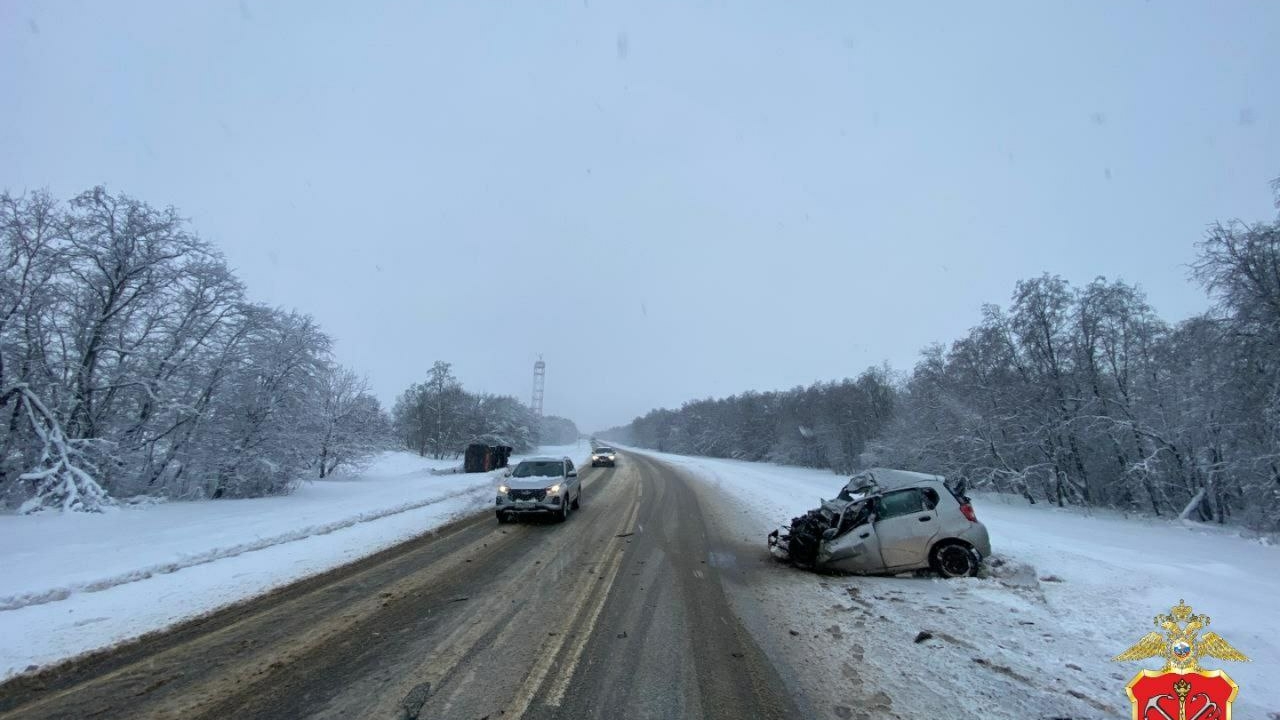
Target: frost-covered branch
(59,477)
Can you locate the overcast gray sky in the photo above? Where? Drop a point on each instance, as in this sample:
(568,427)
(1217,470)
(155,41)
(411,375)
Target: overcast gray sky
(667,200)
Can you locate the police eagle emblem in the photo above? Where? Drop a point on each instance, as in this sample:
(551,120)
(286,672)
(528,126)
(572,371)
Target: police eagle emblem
(1182,690)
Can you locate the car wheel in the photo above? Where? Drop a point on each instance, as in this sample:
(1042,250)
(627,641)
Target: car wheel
(503,518)
(953,560)
(577,501)
(564,511)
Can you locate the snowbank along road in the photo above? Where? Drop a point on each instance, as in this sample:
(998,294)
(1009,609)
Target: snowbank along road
(620,612)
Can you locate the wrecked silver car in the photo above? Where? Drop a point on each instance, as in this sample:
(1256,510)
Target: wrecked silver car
(888,521)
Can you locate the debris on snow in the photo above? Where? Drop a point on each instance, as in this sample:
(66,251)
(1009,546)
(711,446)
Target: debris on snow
(1023,616)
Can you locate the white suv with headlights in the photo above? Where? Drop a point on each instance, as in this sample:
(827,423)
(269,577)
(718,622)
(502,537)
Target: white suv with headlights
(604,456)
(541,485)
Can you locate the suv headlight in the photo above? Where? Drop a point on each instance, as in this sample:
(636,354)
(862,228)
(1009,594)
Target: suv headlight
(504,489)
(554,489)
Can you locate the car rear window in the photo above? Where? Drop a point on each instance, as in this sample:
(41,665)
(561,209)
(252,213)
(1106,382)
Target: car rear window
(958,491)
(930,498)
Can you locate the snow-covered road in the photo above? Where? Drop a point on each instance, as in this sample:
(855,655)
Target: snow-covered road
(1034,640)
(619,612)
(73,583)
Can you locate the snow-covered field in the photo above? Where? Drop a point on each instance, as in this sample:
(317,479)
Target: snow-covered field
(73,583)
(1034,640)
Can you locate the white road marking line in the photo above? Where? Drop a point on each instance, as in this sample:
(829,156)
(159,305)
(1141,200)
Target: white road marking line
(583,633)
(462,684)
(482,617)
(550,650)
(456,647)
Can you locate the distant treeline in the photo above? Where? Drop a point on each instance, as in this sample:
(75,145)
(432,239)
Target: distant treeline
(438,418)
(824,425)
(1074,395)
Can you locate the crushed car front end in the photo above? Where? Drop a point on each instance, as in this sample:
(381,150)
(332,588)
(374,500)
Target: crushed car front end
(803,541)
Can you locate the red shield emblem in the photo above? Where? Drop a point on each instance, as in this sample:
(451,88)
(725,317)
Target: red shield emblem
(1198,695)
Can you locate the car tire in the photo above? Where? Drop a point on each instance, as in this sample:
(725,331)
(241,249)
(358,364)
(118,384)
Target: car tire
(954,559)
(503,518)
(577,501)
(564,511)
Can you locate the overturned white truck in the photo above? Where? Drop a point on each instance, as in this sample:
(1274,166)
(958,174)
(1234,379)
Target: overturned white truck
(888,521)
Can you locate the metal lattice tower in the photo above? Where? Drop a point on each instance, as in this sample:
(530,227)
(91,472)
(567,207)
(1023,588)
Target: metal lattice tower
(539,385)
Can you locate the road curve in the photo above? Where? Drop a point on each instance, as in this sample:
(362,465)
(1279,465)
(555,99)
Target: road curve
(617,613)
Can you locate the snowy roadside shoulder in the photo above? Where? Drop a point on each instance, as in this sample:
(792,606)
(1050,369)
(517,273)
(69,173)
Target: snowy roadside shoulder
(75,583)
(1033,638)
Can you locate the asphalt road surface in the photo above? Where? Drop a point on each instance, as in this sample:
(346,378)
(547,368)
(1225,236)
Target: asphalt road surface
(618,613)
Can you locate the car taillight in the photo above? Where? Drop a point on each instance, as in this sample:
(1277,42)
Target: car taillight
(967,511)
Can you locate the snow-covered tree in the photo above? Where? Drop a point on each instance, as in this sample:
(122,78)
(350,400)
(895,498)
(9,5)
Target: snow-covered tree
(130,362)
(430,417)
(1068,395)
(269,417)
(439,418)
(555,430)
(353,424)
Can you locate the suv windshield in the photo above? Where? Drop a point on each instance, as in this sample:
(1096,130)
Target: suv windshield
(539,468)
(602,451)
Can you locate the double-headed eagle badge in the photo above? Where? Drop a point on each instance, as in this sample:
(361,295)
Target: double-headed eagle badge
(1182,690)
(1178,645)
